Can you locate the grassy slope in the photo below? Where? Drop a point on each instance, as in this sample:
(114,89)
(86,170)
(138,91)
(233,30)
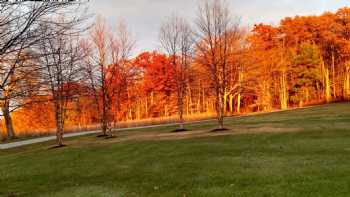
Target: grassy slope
(272,160)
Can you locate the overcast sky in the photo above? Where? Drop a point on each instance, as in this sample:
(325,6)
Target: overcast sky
(144,17)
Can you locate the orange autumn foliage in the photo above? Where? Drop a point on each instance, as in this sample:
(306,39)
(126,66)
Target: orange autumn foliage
(304,60)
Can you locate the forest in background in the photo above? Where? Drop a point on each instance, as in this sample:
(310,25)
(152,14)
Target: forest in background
(212,66)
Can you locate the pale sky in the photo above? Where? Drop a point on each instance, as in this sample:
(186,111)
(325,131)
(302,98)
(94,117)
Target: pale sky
(144,17)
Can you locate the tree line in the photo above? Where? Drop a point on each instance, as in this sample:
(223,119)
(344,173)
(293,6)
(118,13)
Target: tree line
(57,71)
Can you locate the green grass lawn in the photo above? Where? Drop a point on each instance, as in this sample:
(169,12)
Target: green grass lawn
(297,153)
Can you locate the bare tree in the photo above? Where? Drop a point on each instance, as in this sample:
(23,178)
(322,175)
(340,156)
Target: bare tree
(22,83)
(19,23)
(108,62)
(216,31)
(61,57)
(176,39)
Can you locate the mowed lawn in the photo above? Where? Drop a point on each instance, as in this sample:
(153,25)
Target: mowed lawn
(294,153)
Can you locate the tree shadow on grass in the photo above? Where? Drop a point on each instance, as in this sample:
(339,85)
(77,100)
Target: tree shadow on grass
(179,130)
(57,147)
(219,130)
(110,137)
(102,136)
(106,136)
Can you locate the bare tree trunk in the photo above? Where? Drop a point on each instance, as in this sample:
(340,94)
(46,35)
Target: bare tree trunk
(59,124)
(328,87)
(220,110)
(146,107)
(8,121)
(199,105)
(231,104)
(152,98)
(187,105)
(190,100)
(333,77)
(239,103)
(346,83)
(104,125)
(326,83)
(105,115)
(180,104)
(283,91)
(138,109)
(181,121)
(226,93)
(204,101)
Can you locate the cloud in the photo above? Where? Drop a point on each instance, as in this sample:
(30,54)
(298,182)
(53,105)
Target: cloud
(145,16)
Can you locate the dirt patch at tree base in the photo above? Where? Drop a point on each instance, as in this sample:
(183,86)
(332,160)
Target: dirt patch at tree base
(158,136)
